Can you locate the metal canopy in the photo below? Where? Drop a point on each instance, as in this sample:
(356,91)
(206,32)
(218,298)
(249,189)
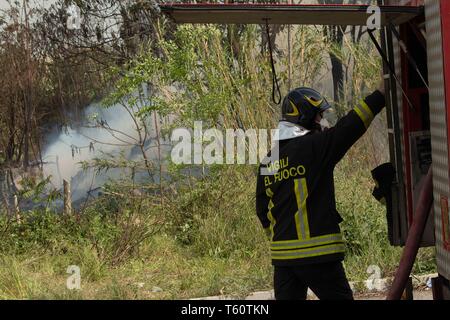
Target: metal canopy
(286,14)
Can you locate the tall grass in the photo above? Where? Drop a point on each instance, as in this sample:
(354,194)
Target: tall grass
(204,237)
(223,251)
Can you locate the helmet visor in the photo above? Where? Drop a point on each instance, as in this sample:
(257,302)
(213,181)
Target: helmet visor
(331,116)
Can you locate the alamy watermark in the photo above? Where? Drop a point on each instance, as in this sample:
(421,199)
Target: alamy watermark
(73,282)
(234,146)
(374,20)
(374,280)
(74,17)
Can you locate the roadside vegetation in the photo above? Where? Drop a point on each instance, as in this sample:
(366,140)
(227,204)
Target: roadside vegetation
(195,235)
(208,242)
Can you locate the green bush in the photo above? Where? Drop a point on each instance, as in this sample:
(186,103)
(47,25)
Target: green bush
(197,235)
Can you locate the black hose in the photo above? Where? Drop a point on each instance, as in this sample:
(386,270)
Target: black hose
(275,85)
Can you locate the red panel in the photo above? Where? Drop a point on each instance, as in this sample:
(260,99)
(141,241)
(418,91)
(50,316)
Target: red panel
(407,124)
(412,118)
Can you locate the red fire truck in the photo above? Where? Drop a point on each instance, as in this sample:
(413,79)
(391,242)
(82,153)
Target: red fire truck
(415,46)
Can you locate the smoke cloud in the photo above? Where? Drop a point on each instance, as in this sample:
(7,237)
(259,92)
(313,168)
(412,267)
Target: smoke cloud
(68,148)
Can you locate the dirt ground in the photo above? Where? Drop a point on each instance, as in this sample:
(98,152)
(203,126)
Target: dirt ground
(417,294)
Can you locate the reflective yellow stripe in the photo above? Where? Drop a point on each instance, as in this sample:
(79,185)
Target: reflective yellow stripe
(364,112)
(313,238)
(272,220)
(320,249)
(295,112)
(314,241)
(301,216)
(314,103)
(300,235)
(310,252)
(304,208)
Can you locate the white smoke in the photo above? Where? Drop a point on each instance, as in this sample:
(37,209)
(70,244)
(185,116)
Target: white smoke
(63,155)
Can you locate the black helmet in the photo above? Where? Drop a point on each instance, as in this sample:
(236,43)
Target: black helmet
(302,105)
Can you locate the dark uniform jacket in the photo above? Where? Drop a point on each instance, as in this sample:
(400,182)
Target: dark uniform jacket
(296,202)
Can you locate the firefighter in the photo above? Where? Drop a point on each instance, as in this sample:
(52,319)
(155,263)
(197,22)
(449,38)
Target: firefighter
(295,198)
